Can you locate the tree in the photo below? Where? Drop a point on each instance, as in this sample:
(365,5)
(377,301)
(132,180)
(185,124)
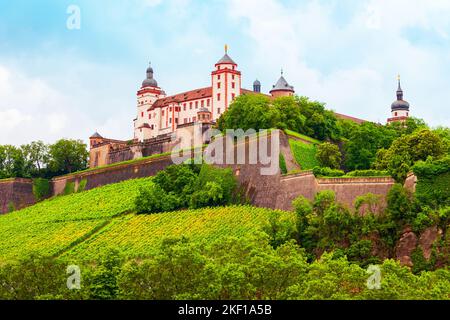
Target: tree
(249,112)
(37,157)
(12,162)
(406,150)
(290,116)
(320,123)
(68,156)
(328,155)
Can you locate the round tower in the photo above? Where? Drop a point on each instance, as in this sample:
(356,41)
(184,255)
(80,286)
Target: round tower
(282,88)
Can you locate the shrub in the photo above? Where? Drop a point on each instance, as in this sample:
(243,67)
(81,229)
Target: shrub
(69,188)
(283,167)
(154,199)
(367,173)
(41,188)
(433,186)
(327,172)
(82,185)
(400,207)
(328,155)
(11,207)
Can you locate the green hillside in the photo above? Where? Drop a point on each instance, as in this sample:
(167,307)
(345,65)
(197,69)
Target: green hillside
(84,225)
(304,154)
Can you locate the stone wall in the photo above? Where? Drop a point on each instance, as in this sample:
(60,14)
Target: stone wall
(16,192)
(103,176)
(346,189)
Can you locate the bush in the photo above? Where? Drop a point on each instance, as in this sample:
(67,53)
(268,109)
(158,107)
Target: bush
(154,199)
(367,173)
(283,167)
(433,186)
(327,172)
(69,188)
(328,155)
(82,185)
(188,185)
(41,188)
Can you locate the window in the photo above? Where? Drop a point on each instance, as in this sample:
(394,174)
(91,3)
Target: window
(396,114)
(232,85)
(193,119)
(233,67)
(142,114)
(184,107)
(232,77)
(218,110)
(170,120)
(233,96)
(218,85)
(177,109)
(196,104)
(149,115)
(407,114)
(185,120)
(176,120)
(162,112)
(170,109)
(218,77)
(218,97)
(203,103)
(190,105)
(207,102)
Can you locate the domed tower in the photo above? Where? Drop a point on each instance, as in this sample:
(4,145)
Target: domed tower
(282,88)
(400,107)
(226,84)
(146,97)
(257,86)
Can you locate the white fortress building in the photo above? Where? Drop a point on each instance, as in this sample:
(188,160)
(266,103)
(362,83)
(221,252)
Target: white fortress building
(163,121)
(158,114)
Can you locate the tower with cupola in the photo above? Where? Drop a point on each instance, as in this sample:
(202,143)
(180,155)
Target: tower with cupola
(400,107)
(144,124)
(226,84)
(282,88)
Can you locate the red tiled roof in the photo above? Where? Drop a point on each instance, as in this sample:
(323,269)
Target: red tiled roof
(183,97)
(345,117)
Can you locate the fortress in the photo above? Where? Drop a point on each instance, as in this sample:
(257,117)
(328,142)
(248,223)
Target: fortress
(163,120)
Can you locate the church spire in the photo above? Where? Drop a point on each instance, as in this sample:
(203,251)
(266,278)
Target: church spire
(399,89)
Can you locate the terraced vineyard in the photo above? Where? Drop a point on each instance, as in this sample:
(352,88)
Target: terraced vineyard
(136,235)
(84,225)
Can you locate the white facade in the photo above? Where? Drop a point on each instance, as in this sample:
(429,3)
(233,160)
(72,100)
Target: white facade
(158,114)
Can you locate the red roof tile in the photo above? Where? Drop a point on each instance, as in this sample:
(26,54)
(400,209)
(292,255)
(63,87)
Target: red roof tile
(183,97)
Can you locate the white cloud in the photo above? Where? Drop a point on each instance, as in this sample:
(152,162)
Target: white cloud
(352,65)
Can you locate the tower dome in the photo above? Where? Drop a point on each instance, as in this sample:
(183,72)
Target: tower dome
(149,81)
(399,104)
(400,107)
(257,86)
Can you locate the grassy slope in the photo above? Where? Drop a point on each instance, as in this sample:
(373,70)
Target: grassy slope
(304,154)
(83,225)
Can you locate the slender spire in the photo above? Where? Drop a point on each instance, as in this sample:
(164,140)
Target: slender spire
(282,72)
(226,49)
(399,89)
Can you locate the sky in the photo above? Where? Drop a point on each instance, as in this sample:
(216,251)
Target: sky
(60,81)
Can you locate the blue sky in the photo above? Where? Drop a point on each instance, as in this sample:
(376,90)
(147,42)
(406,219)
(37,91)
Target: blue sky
(56,82)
